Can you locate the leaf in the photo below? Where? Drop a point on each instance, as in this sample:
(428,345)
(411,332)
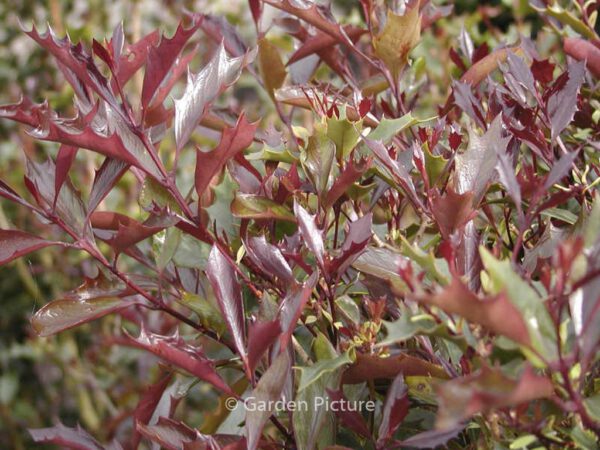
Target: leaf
(486,390)
(368,367)
(147,405)
(67,203)
(272,69)
(486,65)
(452,211)
(395,409)
(384,265)
(539,324)
(267,392)
(176,351)
(312,374)
(202,89)
(562,105)
(15,243)
(229,298)
(582,50)
(135,56)
(475,167)
(388,128)
(344,135)
(350,419)
(436,268)
(161,58)
(291,308)
(62,314)
(105,178)
(398,37)
(64,160)
(250,206)
(506,171)
(75,438)
(351,173)
(357,238)
(313,237)
(317,158)
(560,169)
(269,259)
(496,314)
(233,141)
(431,438)
(261,335)
(209,315)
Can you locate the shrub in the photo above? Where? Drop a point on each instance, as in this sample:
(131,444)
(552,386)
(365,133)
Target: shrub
(374,262)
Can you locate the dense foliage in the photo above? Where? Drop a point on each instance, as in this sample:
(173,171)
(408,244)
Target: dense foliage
(367,206)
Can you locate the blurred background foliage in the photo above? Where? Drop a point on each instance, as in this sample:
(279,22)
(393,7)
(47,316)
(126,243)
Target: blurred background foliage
(77,376)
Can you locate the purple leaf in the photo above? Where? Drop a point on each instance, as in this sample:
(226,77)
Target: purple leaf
(395,409)
(350,419)
(560,169)
(176,351)
(267,392)
(15,243)
(261,336)
(64,160)
(562,105)
(162,57)
(357,238)
(269,259)
(506,171)
(75,438)
(221,30)
(313,237)
(174,435)
(105,178)
(229,297)
(292,306)
(348,176)
(202,89)
(233,141)
(147,405)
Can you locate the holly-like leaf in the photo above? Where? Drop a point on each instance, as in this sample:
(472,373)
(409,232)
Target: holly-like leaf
(344,134)
(398,37)
(229,298)
(233,141)
(202,89)
(452,211)
(162,57)
(174,350)
(485,391)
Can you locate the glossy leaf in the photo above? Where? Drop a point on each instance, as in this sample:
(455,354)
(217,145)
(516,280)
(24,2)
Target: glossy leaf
(75,438)
(249,206)
(15,243)
(313,237)
(395,409)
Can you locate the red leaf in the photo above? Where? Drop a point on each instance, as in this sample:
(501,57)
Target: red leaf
(349,175)
(543,70)
(291,308)
(75,438)
(129,231)
(147,405)
(14,244)
(176,351)
(313,237)
(322,41)
(358,236)
(162,57)
(269,259)
(135,57)
(261,336)
(64,160)
(105,178)
(233,141)
(395,409)
(350,419)
(256,10)
(452,211)
(229,297)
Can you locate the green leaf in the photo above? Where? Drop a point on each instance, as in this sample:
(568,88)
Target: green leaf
(166,244)
(537,318)
(436,268)
(219,212)
(560,214)
(191,253)
(434,165)
(523,441)
(592,405)
(344,135)
(388,128)
(312,374)
(317,158)
(349,308)
(209,315)
(250,206)
(153,192)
